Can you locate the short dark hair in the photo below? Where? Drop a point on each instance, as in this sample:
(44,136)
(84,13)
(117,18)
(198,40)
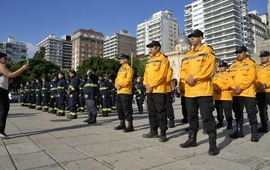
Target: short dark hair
(2,54)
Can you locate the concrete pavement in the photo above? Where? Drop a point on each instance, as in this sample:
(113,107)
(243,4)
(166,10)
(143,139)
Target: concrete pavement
(43,141)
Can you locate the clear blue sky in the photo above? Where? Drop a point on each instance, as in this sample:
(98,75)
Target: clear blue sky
(33,20)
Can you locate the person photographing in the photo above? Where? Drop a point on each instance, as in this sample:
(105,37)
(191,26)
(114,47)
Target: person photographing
(5,75)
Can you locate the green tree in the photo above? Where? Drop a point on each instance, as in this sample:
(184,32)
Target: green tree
(40,54)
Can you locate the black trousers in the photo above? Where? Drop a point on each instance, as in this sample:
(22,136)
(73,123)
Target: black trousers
(139,101)
(156,105)
(184,108)
(263,100)
(249,103)
(91,106)
(61,103)
(4,108)
(226,106)
(169,107)
(124,106)
(206,106)
(73,102)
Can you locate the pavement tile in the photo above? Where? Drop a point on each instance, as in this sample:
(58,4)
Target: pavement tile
(23,148)
(52,144)
(85,164)
(66,154)
(6,163)
(50,167)
(32,160)
(77,141)
(121,161)
(3,151)
(120,146)
(96,149)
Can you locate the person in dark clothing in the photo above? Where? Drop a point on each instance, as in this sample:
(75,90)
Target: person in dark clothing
(140,94)
(53,94)
(73,92)
(38,94)
(45,93)
(61,93)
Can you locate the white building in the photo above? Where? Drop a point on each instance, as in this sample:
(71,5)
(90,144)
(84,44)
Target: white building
(160,27)
(16,51)
(225,24)
(121,42)
(259,28)
(58,51)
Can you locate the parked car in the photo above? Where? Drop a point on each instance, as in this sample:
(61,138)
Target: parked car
(14,97)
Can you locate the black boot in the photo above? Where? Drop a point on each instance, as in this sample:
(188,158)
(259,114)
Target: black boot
(213,150)
(89,118)
(229,125)
(219,125)
(171,123)
(264,128)
(254,133)
(93,119)
(152,134)
(163,137)
(121,126)
(130,127)
(105,114)
(191,142)
(141,111)
(239,131)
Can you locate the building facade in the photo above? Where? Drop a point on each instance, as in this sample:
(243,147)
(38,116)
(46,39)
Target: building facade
(57,51)
(226,24)
(16,51)
(121,42)
(162,27)
(85,44)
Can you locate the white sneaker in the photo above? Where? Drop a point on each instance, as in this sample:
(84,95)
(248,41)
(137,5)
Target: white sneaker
(4,135)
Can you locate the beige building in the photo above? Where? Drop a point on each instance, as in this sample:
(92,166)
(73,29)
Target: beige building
(85,44)
(175,57)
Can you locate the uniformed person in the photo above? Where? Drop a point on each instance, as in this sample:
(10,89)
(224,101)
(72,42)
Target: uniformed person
(198,67)
(28,94)
(263,89)
(61,93)
(242,77)
(90,91)
(53,94)
(155,83)
(140,93)
(38,94)
(33,94)
(73,93)
(81,95)
(222,95)
(22,94)
(169,107)
(123,85)
(104,95)
(45,94)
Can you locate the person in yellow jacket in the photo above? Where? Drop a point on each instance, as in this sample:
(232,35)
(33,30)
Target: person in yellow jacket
(123,85)
(198,67)
(263,89)
(155,83)
(222,95)
(183,101)
(242,78)
(169,107)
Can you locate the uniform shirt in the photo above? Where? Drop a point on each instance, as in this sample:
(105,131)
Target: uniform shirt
(263,76)
(221,81)
(201,64)
(74,85)
(243,74)
(169,79)
(124,79)
(155,74)
(61,87)
(90,89)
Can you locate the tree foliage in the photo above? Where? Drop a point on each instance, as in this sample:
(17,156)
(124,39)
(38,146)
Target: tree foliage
(40,54)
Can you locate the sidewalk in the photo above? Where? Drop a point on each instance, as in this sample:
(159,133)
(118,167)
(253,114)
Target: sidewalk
(43,141)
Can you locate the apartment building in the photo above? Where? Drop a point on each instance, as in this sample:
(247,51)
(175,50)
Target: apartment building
(16,51)
(85,44)
(121,42)
(162,27)
(57,51)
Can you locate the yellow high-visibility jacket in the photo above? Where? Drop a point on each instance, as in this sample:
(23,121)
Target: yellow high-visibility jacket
(124,79)
(201,64)
(263,76)
(169,79)
(155,74)
(221,81)
(243,74)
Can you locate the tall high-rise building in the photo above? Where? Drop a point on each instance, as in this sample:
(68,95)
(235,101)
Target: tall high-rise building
(85,44)
(226,24)
(162,27)
(121,42)
(16,51)
(58,51)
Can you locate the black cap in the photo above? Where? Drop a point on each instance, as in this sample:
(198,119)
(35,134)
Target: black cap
(196,33)
(264,54)
(123,56)
(222,64)
(240,49)
(153,43)
(2,54)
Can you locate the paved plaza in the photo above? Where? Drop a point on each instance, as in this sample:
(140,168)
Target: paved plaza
(43,141)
